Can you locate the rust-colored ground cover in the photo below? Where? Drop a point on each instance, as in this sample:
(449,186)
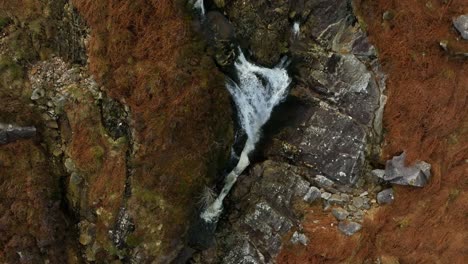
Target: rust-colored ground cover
(426,116)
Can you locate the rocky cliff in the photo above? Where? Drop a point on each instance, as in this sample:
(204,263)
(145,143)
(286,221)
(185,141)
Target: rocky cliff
(116,126)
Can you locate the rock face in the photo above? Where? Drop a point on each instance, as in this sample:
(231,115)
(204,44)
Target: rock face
(263,212)
(133,120)
(320,137)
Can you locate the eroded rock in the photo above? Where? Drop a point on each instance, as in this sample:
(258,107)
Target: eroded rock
(397,172)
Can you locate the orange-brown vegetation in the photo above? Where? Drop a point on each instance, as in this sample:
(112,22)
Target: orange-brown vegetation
(427,116)
(148,58)
(32,225)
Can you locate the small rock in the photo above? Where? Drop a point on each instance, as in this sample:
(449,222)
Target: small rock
(37,94)
(352,208)
(299,238)
(349,228)
(323,181)
(378,173)
(326,195)
(345,197)
(52,124)
(85,239)
(336,199)
(461,24)
(364,194)
(340,213)
(388,15)
(312,195)
(57,151)
(358,202)
(385,196)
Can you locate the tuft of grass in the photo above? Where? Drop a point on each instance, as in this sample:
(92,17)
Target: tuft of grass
(4,21)
(454,193)
(404,223)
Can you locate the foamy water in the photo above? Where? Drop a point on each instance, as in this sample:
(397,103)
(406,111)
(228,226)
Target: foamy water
(257,91)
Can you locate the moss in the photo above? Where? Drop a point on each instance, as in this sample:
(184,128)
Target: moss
(4,21)
(133,240)
(36,26)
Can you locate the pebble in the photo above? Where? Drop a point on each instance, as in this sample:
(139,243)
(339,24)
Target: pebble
(340,213)
(326,195)
(358,202)
(299,238)
(461,24)
(386,196)
(312,195)
(336,199)
(349,228)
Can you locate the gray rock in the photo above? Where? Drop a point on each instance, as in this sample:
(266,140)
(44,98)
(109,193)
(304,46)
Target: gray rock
(326,195)
(323,181)
(328,134)
(37,94)
(385,197)
(299,238)
(415,175)
(349,228)
(336,199)
(358,202)
(378,173)
(461,24)
(312,195)
(340,213)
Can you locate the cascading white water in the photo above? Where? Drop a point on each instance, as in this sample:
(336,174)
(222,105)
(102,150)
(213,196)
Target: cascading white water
(256,93)
(296,29)
(200,5)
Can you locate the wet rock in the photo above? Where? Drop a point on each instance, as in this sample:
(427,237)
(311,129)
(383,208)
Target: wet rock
(267,213)
(349,228)
(221,36)
(267,40)
(114,118)
(340,213)
(385,197)
(397,172)
(461,24)
(312,194)
(299,238)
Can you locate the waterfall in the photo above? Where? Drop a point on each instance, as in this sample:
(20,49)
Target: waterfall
(200,5)
(296,29)
(257,91)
